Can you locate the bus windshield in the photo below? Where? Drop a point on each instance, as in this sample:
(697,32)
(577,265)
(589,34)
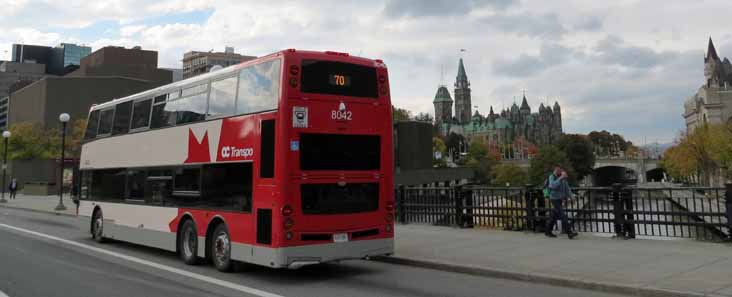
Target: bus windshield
(336,78)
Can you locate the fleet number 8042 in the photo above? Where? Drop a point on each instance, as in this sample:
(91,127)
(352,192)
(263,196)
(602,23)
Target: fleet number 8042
(341,115)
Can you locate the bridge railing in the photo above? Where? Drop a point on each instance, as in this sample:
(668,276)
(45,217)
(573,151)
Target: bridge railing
(702,213)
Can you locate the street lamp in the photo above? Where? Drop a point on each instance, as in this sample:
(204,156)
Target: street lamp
(63,118)
(6,135)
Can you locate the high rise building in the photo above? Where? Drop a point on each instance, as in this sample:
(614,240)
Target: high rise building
(195,63)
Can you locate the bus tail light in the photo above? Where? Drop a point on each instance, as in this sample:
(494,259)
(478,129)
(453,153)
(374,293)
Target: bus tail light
(289,223)
(382,79)
(288,235)
(294,70)
(293,82)
(286,210)
(390,206)
(389,218)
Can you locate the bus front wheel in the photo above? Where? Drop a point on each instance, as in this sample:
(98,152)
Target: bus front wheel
(221,248)
(188,243)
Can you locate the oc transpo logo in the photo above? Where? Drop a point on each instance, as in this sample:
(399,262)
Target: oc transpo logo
(235,152)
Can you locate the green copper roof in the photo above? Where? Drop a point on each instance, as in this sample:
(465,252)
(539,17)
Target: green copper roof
(442,95)
(461,71)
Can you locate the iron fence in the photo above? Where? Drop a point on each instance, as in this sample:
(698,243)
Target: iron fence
(702,213)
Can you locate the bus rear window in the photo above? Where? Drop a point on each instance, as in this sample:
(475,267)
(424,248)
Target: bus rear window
(336,78)
(339,152)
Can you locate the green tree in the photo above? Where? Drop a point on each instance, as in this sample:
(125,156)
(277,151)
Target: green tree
(507,173)
(439,149)
(31,141)
(399,114)
(481,160)
(580,152)
(543,164)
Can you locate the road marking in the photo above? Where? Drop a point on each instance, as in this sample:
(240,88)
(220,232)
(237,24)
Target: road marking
(197,276)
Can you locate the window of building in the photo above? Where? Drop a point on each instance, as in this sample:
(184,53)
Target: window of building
(222,98)
(141,114)
(259,87)
(92,125)
(105,122)
(122,115)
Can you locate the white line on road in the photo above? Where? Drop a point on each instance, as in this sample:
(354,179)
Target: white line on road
(197,276)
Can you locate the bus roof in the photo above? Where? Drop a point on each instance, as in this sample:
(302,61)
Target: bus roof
(228,71)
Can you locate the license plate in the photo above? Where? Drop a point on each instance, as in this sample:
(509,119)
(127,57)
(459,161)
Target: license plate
(340,237)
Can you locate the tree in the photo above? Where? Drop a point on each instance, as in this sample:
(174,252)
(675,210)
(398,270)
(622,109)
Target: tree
(31,141)
(510,174)
(424,117)
(454,143)
(701,153)
(480,159)
(544,162)
(608,144)
(580,152)
(439,149)
(399,114)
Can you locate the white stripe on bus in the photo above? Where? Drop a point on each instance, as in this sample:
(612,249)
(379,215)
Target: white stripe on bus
(182,272)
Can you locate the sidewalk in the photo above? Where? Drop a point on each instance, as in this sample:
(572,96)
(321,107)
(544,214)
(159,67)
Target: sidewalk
(40,203)
(638,267)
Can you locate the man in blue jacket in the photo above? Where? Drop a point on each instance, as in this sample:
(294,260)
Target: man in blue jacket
(559,192)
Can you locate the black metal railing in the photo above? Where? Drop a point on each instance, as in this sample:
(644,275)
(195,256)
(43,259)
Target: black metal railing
(703,213)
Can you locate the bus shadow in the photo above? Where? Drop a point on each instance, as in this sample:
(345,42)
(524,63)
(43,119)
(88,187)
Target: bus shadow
(307,274)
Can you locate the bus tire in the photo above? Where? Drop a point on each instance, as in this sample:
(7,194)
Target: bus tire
(221,249)
(188,243)
(97,226)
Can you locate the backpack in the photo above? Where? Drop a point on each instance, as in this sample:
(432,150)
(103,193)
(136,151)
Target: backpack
(546,190)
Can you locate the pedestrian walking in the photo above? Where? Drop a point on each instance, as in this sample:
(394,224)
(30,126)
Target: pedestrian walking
(559,193)
(13,188)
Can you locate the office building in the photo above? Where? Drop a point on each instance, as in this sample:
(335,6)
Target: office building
(59,60)
(195,63)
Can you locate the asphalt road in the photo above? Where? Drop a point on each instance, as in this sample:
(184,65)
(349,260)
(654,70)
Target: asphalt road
(60,259)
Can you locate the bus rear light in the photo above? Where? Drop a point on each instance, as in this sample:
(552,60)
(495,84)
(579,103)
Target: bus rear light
(389,217)
(390,206)
(388,228)
(289,223)
(288,235)
(383,90)
(286,210)
(382,79)
(292,50)
(294,70)
(293,82)
(380,61)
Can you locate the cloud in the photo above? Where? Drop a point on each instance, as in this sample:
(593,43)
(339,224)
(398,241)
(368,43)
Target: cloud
(544,25)
(589,23)
(425,8)
(128,31)
(611,50)
(526,65)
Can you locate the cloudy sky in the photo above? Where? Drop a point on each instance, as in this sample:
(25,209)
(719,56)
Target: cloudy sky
(625,66)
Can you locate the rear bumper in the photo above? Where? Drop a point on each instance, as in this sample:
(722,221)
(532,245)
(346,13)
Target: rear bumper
(298,256)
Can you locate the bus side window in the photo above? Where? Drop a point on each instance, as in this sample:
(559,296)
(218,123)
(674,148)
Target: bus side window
(93,124)
(267,149)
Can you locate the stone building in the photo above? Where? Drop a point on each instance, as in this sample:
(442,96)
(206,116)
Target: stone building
(196,63)
(712,103)
(542,127)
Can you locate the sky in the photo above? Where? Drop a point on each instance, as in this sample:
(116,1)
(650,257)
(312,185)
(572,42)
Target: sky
(625,66)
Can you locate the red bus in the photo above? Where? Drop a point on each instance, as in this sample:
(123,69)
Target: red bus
(281,161)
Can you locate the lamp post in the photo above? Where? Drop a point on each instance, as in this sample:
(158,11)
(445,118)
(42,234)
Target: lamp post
(63,118)
(6,135)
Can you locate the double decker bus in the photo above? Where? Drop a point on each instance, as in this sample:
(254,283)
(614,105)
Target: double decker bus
(281,161)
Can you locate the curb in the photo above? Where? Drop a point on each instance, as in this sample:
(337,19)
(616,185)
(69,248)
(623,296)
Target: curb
(539,278)
(38,210)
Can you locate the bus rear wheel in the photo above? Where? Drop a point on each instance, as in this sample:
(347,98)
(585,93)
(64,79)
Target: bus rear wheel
(97,226)
(221,249)
(188,243)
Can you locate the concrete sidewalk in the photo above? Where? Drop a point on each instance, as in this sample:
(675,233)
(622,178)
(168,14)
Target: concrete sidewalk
(639,267)
(40,203)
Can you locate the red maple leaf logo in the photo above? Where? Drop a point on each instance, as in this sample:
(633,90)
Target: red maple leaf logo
(198,152)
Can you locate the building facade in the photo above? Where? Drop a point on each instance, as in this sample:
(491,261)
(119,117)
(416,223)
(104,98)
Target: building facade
(14,76)
(195,63)
(119,61)
(712,103)
(539,128)
(59,60)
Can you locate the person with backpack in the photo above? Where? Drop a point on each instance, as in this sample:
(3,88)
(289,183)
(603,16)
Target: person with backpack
(558,192)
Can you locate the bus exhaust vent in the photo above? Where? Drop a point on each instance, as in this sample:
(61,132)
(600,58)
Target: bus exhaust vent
(264,226)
